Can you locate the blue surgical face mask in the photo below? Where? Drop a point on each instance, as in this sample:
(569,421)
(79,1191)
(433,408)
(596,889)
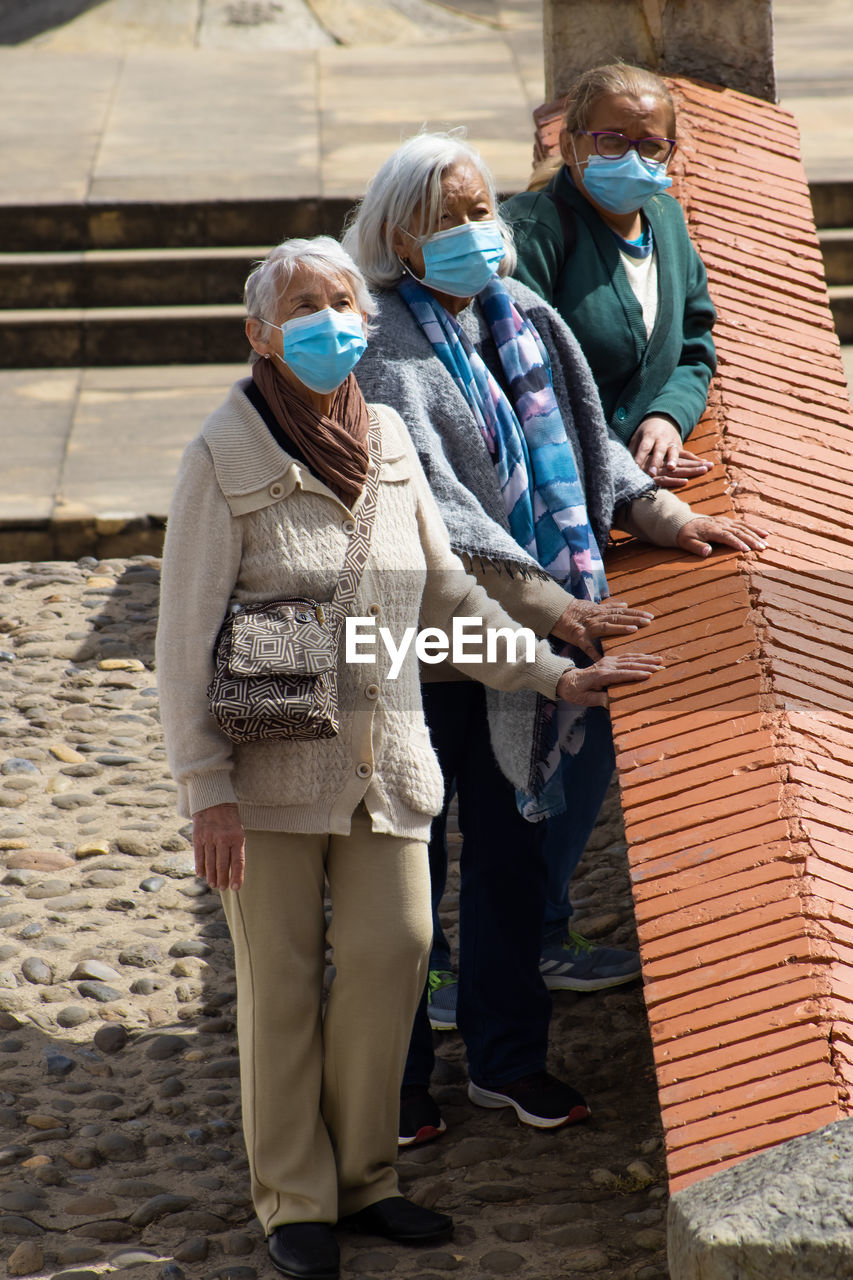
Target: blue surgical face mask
(624,185)
(463,260)
(322,349)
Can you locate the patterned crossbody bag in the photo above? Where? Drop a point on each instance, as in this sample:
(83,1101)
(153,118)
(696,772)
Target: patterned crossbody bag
(275,664)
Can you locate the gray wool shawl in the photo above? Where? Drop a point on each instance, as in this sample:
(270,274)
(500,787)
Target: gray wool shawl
(400,369)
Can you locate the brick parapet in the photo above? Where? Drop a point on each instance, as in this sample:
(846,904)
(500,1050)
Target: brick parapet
(736,765)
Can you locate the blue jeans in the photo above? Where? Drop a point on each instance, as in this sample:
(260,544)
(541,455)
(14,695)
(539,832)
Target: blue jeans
(586,778)
(503,1007)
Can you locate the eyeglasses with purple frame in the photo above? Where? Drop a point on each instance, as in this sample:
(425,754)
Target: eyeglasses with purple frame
(613,146)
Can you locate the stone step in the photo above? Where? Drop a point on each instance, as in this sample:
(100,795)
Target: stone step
(836,245)
(832,203)
(151,284)
(98,337)
(52,228)
(125,277)
(115,336)
(841,301)
(87,225)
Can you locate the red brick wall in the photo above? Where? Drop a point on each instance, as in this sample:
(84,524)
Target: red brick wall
(737,764)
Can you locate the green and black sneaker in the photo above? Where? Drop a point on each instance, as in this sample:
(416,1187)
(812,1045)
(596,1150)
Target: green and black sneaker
(441,1002)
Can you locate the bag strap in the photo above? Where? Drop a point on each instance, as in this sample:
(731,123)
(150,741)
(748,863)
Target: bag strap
(359,545)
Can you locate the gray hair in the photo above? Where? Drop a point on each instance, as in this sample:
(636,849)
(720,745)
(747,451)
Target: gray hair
(410,179)
(268,282)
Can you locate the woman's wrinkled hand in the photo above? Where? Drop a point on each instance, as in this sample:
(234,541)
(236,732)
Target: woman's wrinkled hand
(656,448)
(697,535)
(219,846)
(585,686)
(583,622)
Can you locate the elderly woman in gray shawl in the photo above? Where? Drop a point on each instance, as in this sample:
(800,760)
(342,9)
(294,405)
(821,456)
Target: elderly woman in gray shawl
(505,416)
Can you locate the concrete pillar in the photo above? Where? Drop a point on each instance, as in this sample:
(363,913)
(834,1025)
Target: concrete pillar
(726,42)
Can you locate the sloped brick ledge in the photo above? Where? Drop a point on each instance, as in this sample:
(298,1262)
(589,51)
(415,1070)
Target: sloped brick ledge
(736,765)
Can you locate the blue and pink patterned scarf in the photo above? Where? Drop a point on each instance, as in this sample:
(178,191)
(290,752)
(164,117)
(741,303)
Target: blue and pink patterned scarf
(538,478)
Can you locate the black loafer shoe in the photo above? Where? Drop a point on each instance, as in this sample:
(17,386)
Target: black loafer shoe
(305,1251)
(396,1218)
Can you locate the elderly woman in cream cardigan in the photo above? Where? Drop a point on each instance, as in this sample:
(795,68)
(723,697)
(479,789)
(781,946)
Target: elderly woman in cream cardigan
(263,510)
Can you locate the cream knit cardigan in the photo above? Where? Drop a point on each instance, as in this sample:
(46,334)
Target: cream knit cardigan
(249,523)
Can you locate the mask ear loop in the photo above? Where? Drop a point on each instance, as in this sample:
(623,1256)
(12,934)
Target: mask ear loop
(261,320)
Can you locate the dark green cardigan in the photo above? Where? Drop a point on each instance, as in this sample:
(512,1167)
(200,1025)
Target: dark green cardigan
(668,373)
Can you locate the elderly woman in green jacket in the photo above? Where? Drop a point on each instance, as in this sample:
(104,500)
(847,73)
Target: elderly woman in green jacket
(605,245)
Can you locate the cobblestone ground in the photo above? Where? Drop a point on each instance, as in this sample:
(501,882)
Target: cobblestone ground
(119,1093)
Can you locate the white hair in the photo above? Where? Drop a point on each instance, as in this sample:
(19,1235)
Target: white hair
(409,180)
(269,281)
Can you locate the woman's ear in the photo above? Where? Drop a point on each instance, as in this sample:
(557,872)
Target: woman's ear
(400,242)
(254,329)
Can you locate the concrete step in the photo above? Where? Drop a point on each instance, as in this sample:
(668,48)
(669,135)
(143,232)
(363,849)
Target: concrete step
(52,228)
(841,301)
(156,284)
(832,203)
(115,336)
(98,337)
(88,225)
(109,278)
(836,245)
(125,277)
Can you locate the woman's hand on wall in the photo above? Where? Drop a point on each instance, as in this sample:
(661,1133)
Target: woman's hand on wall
(219,846)
(583,622)
(585,687)
(656,447)
(697,535)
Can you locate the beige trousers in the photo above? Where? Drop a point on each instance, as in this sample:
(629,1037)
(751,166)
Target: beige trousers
(321,1095)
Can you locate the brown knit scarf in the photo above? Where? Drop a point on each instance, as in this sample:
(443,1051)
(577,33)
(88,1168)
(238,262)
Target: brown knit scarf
(335,446)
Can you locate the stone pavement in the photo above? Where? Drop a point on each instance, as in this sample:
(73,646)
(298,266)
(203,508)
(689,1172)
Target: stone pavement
(121,1145)
(89,451)
(119,1103)
(193,100)
(114,106)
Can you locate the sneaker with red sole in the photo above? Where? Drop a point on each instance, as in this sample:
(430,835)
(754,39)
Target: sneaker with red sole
(420,1118)
(540,1100)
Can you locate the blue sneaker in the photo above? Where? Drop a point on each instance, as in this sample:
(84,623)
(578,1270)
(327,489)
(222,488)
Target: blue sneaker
(572,963)
(441,1001)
